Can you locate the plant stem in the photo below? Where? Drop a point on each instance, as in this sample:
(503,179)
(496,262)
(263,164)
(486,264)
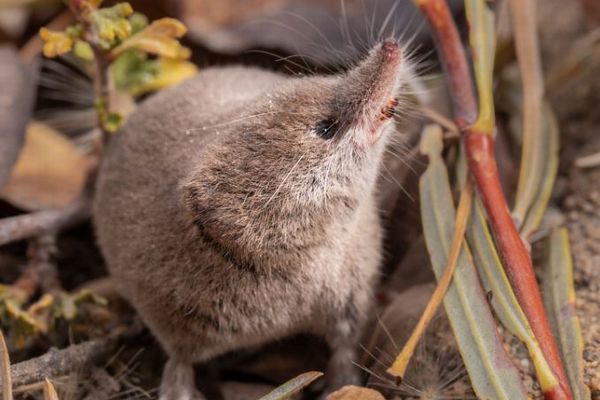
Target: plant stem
(101,63)
(483,167)
(398,368)
(102,96)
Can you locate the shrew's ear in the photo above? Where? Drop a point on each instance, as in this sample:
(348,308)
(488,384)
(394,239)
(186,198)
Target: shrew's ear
(207,209)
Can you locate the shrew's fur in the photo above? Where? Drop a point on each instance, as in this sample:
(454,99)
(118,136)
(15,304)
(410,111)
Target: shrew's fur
(228,221)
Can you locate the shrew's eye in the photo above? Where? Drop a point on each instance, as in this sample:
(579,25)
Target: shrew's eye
(326,129)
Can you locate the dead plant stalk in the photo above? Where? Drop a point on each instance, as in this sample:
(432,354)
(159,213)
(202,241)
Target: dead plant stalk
(398,368)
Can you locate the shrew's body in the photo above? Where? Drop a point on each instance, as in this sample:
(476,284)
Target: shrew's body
(239,208)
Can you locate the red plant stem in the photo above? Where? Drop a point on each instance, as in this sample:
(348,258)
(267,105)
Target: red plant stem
(483,167)
(515,257)
(454,61)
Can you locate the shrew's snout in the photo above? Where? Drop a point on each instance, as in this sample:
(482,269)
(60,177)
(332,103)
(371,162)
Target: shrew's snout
(374,87)
(390,50)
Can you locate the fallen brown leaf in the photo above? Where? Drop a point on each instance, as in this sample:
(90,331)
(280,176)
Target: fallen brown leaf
(49,173)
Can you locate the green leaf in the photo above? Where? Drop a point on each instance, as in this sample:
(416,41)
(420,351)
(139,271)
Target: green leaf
(490,369)
(112,122)
(504,300)
(87,296)
(111,24)
(483,45)
(292,386)
(21,325)
(548,147)
(538,164)
(159,38)
(138,22)
(168,72)
(132,69)
(559,297)
(66,306)
(83,50)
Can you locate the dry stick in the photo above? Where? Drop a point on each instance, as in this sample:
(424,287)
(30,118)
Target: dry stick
(590,161)
(441,120)
(62,362)
(43,222)
(482,165)
(398,368)
(40,270)
(75,358)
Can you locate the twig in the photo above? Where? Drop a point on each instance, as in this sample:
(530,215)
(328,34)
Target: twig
(42,222)
(398,368)
(482,165)
(589,161)
(74,358)
(42,252)
(40,269)
(440,119)
(62,362)
(101,64)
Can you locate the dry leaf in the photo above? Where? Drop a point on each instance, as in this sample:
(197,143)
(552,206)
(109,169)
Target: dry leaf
(49,391)
(49,173)
(355,393)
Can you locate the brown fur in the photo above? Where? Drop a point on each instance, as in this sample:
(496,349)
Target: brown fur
(229,223)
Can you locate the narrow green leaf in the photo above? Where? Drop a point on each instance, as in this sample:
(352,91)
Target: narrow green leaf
(538,131)
(83,50)
(559,296)
(504,301)
(548,147)
(483,47)
(292,386)
(490,369)
(111,24)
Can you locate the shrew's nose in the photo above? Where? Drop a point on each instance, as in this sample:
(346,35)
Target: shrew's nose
(390,49)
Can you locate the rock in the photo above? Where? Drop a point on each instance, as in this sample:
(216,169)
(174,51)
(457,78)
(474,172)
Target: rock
(16,103)
(355,393)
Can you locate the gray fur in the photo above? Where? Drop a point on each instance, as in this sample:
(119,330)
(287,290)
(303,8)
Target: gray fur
(228,223)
